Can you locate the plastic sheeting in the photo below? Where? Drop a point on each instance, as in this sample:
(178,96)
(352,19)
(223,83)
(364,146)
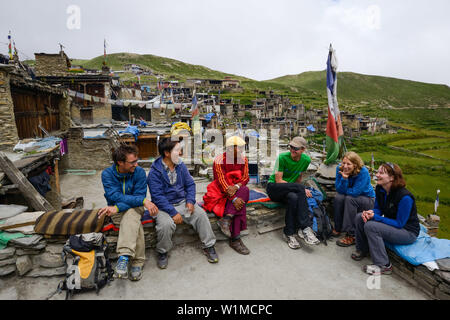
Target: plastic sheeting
(133,130)
(425,249)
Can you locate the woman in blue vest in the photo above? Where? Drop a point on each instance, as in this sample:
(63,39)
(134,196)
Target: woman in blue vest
(393,219)
(354,194)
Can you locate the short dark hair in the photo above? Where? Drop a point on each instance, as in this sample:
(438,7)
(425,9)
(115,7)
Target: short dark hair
(166,144)
(395,171)
(120,154)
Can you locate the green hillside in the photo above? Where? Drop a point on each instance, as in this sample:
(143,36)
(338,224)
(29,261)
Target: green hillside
(160,65)
(363,89)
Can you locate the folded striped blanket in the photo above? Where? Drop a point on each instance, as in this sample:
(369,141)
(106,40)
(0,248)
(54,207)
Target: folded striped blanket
(69,222)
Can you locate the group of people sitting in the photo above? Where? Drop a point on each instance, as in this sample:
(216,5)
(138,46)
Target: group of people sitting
(368,217)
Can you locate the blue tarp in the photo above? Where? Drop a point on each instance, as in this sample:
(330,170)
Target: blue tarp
(425,249)
(253,134)
(209,116)
(311,128)
(133,130)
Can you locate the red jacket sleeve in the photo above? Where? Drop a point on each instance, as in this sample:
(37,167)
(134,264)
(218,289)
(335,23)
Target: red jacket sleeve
(219,173)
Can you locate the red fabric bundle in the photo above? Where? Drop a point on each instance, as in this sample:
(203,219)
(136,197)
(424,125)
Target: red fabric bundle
(215,199)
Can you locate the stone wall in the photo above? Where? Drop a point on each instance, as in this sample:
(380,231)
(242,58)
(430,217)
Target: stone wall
(101,113)
(39,257)
(8,131)
(51,64)
(88,154)
(435,284)
(64,113)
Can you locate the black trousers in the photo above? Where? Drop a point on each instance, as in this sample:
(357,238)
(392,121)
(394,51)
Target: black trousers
(297,212)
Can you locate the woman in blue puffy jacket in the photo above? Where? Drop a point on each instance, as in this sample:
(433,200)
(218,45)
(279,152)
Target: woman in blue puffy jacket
(354,194)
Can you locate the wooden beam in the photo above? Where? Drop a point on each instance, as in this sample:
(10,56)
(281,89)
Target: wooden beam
(38,202)
(58,188)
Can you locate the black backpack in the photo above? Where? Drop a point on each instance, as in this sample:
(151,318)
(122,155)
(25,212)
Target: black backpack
(87,264)
(321,223)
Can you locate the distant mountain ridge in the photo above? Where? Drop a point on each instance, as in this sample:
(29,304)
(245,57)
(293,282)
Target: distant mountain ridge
(360,88)
(353,88)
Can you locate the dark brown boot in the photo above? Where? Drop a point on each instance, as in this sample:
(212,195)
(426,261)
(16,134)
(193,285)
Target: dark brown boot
(239,246)
(224,226)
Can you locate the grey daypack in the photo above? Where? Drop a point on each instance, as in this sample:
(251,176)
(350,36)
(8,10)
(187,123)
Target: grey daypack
(87,264)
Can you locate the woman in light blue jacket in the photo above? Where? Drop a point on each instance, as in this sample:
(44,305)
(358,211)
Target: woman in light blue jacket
(354,194)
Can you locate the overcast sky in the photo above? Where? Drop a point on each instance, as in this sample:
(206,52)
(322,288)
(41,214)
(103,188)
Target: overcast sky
(259,39)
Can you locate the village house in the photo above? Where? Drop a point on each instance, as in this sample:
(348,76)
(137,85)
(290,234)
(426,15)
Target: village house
(91,92)
(229,83)
(134,68)
(29,106)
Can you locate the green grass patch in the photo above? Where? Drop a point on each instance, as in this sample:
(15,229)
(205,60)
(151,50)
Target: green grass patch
(440,154)
(426,208)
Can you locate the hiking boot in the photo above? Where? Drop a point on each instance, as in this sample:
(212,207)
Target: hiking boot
(163,260)
(292,242)
(308,235)
(224,226)
(121,270)
(346,241)
(135,273)
(211,254)
(239,246)
(373,269)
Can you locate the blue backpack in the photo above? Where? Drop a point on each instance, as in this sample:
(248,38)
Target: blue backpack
(321,221)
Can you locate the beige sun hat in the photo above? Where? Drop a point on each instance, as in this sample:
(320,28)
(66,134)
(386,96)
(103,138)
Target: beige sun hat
(235,141)
(298,142)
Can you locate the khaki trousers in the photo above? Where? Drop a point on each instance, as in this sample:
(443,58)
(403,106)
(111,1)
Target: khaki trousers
(131,240)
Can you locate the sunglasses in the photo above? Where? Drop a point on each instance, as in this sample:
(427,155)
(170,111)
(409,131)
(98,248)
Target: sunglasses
(296,148)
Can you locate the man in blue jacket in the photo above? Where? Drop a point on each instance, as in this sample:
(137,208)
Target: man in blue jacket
(125,193)
(173,191)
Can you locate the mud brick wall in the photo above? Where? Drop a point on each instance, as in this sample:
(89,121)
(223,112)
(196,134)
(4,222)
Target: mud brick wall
(8,131)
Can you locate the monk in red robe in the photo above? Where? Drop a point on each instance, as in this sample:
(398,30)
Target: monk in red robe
(228,194)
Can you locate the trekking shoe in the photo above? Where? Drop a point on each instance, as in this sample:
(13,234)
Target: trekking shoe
(346,241)
(239,246)
(135,273)
(373,269)
(211,254)
(292,242)
(121,270)
(163,260)
(359,255)
(224,226)
(308,235)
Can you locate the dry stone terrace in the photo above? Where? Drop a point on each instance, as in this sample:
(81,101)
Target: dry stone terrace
(36,260)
